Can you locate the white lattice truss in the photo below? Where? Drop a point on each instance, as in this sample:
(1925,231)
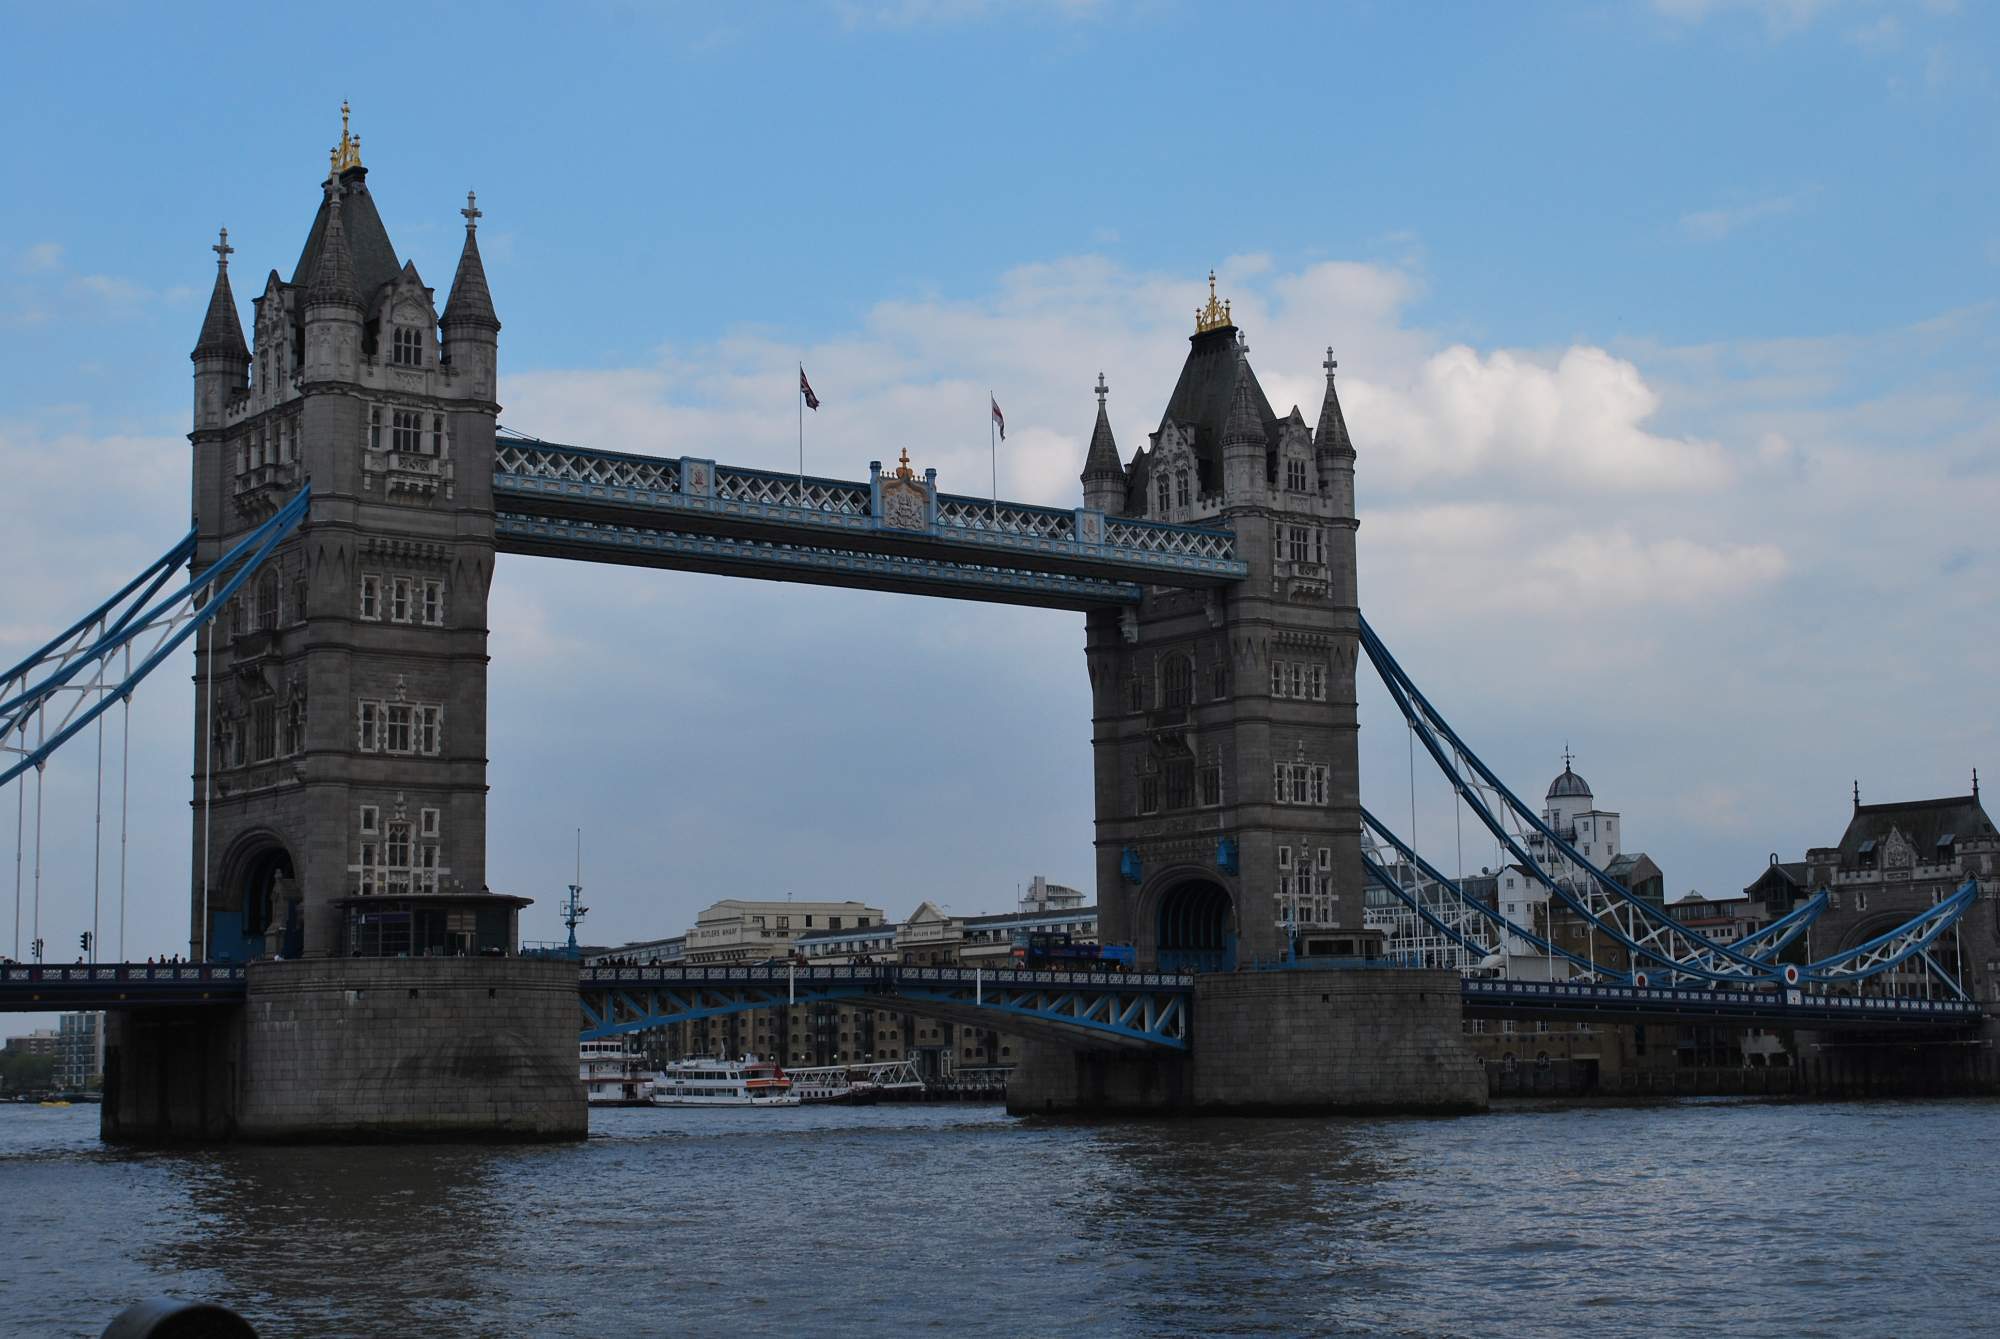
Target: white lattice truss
(830,496)
(1005,518)
(1176,539)
(539,460)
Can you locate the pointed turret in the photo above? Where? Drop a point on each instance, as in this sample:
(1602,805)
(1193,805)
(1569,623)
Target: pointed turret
(1243,439)
(471,330)
(1103,476)
(470,302)
(1331,435)
(333,271)
(221,328)
(221,357)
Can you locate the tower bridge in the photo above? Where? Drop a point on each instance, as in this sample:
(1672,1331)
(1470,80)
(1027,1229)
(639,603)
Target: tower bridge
(352,491)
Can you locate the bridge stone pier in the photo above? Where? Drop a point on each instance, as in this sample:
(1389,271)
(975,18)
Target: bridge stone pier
(1280,1042)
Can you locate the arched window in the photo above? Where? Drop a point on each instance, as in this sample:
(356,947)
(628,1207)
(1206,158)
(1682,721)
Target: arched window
(1181,494)
(409,348)
(1177,681)
(1164,496)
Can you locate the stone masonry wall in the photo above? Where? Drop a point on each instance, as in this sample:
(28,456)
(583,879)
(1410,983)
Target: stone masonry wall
(399,1049)
(1332,1041)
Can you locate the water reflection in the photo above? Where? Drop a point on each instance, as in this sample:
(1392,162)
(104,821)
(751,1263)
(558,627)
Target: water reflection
(1730,1218)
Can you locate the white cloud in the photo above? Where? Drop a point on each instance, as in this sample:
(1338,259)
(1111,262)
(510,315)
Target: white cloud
(1712,225)
(1781,17)
(41,257)
(1538,548)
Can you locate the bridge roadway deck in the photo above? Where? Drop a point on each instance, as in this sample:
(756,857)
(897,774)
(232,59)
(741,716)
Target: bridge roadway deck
(564,501)
(1661,1004)
(1067,999)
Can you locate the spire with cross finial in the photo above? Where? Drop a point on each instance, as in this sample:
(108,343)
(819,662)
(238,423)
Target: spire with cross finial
(1103,476)
(470,302)
(1330,437)
(347,153)
(221,329)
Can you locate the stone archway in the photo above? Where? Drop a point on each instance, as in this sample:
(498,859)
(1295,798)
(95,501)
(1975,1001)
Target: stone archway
(1195,927)
(254,910)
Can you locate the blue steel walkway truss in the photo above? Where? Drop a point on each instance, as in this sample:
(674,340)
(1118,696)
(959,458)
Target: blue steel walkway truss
(1138,1009)
(881,533)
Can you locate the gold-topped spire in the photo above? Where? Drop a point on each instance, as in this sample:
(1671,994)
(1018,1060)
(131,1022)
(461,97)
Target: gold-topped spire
(347,153)
(903,470)
(1215,315)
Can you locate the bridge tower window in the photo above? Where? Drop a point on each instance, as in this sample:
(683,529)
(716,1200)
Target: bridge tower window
(371,597)
(1181,491)
(375,427)
(1177,681)
(409,347)
(407,431)
(1163,494)
(1295,476)
(434,603)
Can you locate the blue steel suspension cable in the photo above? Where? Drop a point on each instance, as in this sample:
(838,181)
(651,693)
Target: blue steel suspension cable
(1937,918)
(1404,690)
(242,560)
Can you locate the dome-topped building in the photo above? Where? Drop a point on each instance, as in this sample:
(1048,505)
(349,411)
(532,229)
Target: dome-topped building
(1569,786)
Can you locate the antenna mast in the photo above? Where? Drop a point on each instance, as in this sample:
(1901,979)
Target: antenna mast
(573,910)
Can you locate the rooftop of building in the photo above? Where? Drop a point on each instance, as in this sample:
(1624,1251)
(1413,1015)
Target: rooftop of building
(1925,824)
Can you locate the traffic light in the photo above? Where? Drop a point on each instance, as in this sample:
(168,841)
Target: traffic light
(84,939)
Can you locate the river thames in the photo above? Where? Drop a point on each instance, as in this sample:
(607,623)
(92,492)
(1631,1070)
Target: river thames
(1711,1218)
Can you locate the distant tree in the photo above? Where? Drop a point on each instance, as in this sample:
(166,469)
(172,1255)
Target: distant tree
(19,1070)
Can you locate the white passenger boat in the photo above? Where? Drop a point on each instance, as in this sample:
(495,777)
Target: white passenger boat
(614,1075)
(748,1082)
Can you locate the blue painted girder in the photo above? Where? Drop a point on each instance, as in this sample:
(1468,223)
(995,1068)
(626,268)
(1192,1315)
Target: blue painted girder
(1144,1008)
(580,502)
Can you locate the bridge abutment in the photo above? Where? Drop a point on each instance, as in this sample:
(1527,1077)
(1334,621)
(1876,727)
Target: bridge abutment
(363,1049)
(1280,1042)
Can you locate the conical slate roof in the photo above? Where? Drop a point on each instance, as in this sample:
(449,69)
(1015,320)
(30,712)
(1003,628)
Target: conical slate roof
(470,303)
(371,255)
(1331,435)
(221,329)
(1205,396)
(333,269)
(1102,459)
(1246,424)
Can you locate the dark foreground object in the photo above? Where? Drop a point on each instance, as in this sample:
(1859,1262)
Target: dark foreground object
(164,1318)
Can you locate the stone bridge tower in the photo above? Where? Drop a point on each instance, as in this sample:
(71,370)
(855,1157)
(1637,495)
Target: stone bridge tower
(1224,728)
(340,746)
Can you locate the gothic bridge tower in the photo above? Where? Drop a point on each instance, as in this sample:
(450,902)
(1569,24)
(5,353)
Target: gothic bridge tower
(340,703)
(1224,728)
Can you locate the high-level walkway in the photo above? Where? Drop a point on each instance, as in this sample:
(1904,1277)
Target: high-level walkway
(892,531)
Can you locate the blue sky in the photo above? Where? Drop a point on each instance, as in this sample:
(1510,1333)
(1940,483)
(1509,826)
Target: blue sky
(1666,331)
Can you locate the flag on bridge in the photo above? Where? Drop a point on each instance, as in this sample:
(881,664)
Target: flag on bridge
(998,417)
(805,389)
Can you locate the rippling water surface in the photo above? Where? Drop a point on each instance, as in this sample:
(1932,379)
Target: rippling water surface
(1694,1218)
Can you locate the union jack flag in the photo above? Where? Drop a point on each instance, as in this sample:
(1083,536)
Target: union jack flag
(805,389)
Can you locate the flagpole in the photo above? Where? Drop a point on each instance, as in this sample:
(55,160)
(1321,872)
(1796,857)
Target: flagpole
(801,393)
(993,455)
